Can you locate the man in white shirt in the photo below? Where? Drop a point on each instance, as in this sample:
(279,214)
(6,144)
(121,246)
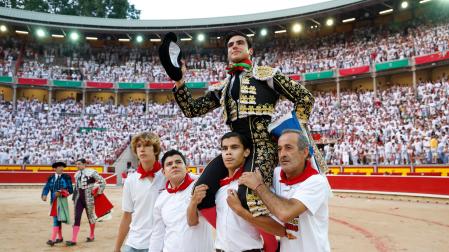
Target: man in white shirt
(140,192)
(171,233)
(300,198)
(233,233)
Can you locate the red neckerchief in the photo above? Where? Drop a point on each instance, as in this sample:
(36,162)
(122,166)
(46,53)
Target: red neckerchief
(308,172)
(238,67)
(187,181)
(228,180)
(144,174)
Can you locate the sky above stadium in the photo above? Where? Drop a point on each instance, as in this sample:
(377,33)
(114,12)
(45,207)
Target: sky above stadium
(181,9)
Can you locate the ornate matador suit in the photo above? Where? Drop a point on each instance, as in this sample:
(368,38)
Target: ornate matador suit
(248,100)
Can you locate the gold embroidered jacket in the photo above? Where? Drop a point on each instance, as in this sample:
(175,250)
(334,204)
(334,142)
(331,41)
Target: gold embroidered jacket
(259,92)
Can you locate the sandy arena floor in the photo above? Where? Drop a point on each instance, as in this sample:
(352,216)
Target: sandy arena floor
(357,223)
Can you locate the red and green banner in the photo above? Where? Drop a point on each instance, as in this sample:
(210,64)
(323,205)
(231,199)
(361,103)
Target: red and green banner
(131,85)
(105,85)
(295,77)
(32,81)
(319,75)
(7,79)
(67,83)
(162,85)
(196,84)
(431,58)
(392,65)
(353,71)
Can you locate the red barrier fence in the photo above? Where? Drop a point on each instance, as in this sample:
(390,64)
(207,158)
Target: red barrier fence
(401,184)
(15,177)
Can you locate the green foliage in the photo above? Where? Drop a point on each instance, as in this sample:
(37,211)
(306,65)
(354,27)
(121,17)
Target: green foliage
(87,8)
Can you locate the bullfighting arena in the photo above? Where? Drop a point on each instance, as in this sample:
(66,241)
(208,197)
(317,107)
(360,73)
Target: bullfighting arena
(358,222)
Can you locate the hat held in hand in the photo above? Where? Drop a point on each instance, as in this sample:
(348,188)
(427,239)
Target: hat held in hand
(170,55)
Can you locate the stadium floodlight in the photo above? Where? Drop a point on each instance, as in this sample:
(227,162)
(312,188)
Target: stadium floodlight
(3,28)
(250,35)
(186,39)
(91,38)
(387,11)
(21,32)
(424,1)
(348,20)
(155,40)
(57,36)
(329,22)
(139,38)
(218,37)
(201,37)
(263,32)
(297,28)
(280,31)
(74,36)
(40,33)
(123,39)
(404,4)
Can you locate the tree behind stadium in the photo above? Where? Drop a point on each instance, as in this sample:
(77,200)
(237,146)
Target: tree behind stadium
(88,8)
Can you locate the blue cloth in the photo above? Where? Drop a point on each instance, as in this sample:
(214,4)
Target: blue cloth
(53,185)
(289,121)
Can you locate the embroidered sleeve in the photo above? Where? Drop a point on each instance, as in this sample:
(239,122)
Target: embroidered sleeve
(195,107)
(297,93)
(100,180)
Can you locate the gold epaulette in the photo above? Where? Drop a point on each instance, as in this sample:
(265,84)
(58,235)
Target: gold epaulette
(263,72)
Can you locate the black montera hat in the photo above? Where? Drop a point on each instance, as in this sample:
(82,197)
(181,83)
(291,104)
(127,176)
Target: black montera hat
(170,55)
(57,164)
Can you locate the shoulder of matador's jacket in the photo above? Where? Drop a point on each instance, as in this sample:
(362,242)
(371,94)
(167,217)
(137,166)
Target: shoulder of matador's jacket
(264,73)
(217,86)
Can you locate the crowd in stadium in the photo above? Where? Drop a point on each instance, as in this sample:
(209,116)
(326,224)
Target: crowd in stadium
(118,63)
(396,128)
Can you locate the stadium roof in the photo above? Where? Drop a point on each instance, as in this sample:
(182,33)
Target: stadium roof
(23,18)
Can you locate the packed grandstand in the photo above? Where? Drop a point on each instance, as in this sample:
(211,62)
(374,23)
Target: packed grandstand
(379,113)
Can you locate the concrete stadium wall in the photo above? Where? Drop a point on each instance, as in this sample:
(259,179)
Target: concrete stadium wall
(7,93)
(59,95)
(102,96)
(162,97)
(124,97)
(440,72)
(365,84)
(39,94)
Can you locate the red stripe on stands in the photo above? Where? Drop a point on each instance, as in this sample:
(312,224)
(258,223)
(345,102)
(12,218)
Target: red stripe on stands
(431,58)
(32,81)
(353,71)
(164,85)
(94,84)
(295,77)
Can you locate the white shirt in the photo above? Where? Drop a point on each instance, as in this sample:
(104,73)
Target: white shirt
(312,234)
(234,234)
(171,233)
(139,197)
